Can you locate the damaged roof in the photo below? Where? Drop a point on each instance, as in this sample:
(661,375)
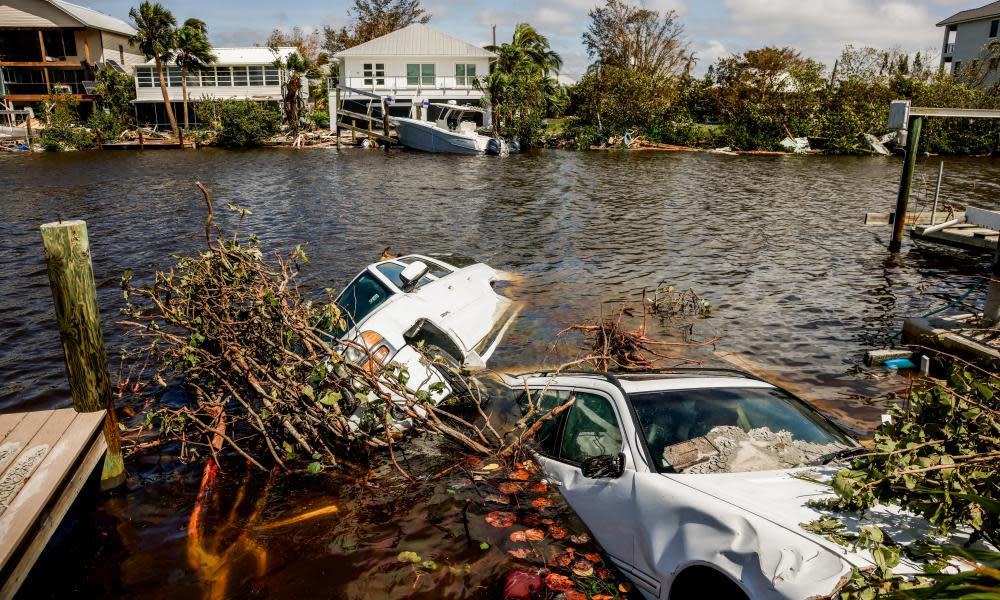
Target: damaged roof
(92,18)
(416,40)
(973,14)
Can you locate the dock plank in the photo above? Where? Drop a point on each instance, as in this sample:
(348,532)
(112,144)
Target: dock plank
(26,428)
(8,421)
(49,487)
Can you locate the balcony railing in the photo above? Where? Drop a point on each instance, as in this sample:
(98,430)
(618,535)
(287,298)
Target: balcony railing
(394,84)
(38,89)
(949,48)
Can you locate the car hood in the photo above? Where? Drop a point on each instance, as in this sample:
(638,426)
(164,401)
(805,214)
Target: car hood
(781,497)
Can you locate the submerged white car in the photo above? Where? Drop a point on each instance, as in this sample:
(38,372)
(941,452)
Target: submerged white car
(445,304)
(688,479)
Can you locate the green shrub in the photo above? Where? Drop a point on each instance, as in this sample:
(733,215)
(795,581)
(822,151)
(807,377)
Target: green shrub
(63,130)
(113,114)
(241,123)
(320,119)
(621,99)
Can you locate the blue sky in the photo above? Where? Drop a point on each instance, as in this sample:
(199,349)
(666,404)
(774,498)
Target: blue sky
(819,28)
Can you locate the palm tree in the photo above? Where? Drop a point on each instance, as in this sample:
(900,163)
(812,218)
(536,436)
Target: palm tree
(194,52)
(154,35)
(529,46)
(295,67)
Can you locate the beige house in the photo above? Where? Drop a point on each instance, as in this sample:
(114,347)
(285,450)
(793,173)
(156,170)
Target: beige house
(51,45)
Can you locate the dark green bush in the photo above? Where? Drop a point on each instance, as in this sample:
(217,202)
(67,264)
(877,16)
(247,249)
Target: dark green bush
(241,123)
(63,130)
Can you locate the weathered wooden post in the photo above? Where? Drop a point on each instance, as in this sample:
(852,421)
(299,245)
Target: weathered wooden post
(335,117)
(142,140)
(991,311)
(74,293)
(27,125)
(385,122)
(937,193)
(180,137)
(905,182)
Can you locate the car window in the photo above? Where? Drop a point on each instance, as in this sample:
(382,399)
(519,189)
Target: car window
(361,297)
(591,429)
(392,270)
(547,435)
(733,429)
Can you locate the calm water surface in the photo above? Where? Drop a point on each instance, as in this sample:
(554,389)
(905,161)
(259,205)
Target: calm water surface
(797,284)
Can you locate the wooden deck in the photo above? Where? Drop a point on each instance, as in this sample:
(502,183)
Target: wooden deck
(45,458)
(962,235)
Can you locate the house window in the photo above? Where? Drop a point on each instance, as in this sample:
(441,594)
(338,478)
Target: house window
(59,43)
(193,78)
(272,76)
(240,76)
(958,65)
(173,77)
(374,74)
(994,25)
(420,74)
(207,77)
(465,74)
(256,74)
(121,54)
(146,77)
(223,76)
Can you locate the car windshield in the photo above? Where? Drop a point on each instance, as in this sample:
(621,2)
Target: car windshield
(358,300)
(729,430)
(392,271)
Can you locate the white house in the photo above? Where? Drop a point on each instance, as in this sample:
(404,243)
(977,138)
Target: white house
(243,73)
(965,34)
(410,66)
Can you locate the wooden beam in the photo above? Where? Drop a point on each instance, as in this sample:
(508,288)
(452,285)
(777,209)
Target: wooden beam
(36,63)
(41,45)
(86,48)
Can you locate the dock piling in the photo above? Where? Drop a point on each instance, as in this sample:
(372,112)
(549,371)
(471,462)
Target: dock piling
(385,122)
(335,117)
(906,181)
(74,293)
(937,192)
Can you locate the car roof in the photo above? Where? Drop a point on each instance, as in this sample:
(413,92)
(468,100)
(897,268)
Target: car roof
(660,384)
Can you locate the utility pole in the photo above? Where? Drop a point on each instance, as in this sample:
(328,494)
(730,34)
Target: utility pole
(494,35)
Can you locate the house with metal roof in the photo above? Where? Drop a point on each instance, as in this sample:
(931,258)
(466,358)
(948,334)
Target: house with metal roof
(52,45)
(965,35)
(412,66)
(245,73)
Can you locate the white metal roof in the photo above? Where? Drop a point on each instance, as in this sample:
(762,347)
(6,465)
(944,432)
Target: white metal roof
(974,14)
(92,18)
(416,40)
(247,55)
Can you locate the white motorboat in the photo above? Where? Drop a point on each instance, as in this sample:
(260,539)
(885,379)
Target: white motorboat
(447,134)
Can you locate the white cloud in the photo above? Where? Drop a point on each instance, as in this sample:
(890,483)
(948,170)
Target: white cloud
(709,53)
(677,6)
(821,28)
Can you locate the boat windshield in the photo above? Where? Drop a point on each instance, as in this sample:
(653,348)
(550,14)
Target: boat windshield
(729,430)
(360,298)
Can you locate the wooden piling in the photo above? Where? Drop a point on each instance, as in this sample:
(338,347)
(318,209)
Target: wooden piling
(180,137)
(335,117)
(906,181)
(27,124)
(991,310)
(74,293)
(385,122)
(142,140)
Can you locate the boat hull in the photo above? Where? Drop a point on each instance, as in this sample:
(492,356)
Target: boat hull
(426,137)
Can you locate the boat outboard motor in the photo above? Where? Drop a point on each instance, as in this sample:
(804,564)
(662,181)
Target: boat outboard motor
(515,146)
(494,147)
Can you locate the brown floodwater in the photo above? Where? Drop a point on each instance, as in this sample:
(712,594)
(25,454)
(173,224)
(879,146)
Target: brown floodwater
(776,243)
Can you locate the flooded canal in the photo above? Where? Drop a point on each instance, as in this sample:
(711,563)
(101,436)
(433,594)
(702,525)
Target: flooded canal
(777,244)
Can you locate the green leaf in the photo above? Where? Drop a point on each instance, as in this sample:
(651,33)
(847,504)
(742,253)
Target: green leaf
(314,468)
(330,398)
(484,546)
(408,556)
(308,392)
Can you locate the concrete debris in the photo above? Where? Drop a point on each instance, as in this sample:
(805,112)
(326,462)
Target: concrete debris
(798,145)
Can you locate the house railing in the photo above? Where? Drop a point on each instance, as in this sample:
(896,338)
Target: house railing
(396,84)
(949,48)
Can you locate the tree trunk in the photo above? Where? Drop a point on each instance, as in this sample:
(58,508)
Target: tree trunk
(184,92)
(166,96)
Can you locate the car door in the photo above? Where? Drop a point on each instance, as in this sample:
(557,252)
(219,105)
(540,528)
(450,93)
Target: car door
(591,427)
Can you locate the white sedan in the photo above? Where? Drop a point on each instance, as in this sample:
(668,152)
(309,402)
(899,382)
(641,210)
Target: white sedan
(688,479)
(443,303)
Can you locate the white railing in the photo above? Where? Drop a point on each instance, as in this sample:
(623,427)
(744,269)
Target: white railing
(395,84)
(949,48)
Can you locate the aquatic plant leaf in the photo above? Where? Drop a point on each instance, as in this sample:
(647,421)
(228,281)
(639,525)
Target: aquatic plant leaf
(518,536)
(484,546)
(499,518)
(534,535)
(520,475)
(521,553)
(582,568)
(541,503)
(509,487)
(314,468)
(408,556)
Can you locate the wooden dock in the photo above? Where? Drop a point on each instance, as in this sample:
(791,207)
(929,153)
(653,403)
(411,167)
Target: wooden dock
(977,230)
(45,458)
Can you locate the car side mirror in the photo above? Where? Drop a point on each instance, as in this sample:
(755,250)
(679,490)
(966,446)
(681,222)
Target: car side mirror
(604,466)
(412,274)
